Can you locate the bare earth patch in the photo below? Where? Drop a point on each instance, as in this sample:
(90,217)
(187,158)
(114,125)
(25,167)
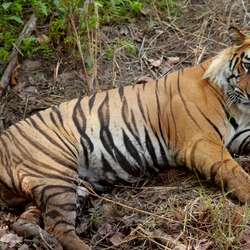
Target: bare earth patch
(175,209)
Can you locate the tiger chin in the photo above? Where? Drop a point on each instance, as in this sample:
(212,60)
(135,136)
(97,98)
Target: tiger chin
(197,117)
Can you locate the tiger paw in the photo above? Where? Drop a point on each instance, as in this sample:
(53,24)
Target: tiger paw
(31,230)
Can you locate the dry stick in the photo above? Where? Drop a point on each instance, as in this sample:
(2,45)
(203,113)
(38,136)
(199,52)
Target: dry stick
(92,192)
(126,206)
(81,54)
(97,36)
(27,30)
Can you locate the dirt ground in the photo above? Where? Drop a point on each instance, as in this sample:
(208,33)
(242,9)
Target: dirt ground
(175,209)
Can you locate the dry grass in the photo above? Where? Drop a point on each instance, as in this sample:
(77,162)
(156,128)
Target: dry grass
(173,210)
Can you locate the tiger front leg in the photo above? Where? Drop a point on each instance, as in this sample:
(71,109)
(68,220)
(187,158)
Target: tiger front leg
(58,206)
(213,161)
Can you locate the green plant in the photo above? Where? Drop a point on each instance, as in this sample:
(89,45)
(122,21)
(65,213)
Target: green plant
(96,212)
(119,44)
(114,10)
(13,15)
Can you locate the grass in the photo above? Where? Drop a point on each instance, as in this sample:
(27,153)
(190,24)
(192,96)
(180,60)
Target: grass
(167,216)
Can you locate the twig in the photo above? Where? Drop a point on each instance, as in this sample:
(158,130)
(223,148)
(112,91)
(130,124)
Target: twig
(78,42)
(27,30)
(92,192)
(47,245)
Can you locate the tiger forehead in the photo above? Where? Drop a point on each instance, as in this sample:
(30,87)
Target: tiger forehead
(243,54)
(244,50)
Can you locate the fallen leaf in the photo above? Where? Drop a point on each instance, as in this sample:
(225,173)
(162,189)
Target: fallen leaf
(30,90)
(105,229)
(43,39)
(154,63)
(245,246)
(158,31)
(203,244)
(117,238)
(23,247)
(124,30)
(173,60)
(31,65)
(65,77)
(11,239)
(108,211)
(3,232)
(14,75)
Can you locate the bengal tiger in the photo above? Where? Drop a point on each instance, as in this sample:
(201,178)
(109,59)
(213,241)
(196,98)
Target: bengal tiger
(120,136)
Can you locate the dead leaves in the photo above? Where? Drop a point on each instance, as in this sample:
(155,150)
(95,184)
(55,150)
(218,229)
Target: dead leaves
(10,241)
(156,63)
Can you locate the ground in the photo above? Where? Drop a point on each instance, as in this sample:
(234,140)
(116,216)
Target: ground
(175,209)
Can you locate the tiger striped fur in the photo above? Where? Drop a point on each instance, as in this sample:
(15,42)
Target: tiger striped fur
(123,135)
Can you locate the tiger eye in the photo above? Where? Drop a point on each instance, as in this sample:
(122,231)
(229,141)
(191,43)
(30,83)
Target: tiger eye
(247,66)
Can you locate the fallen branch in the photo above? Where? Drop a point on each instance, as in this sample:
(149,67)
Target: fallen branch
(27,30)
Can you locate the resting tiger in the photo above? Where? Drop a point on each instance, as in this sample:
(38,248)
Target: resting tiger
(120,136)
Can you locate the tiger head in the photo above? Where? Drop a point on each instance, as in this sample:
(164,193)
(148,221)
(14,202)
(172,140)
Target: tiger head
(230,70)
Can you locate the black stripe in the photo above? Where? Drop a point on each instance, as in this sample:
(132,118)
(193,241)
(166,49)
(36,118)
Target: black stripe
(121,92)
(244,148)
(131,149)
(62,139)
(202,67)
(52,214)
(231,62)
(165,82)
(39,174)
(174,122)
(107,139)
(184,103)
(91,102)
(105,182)
(44,198)
(231,120)
(39,115)
(243,54)
(85,154)
(59,116)
(45,150)
(157,98)
(80,122)
(64,222)
(241,147)
(130,120)
(60,127)
(150,148)
(192,156)
(247,57)
(210,122)
(163,152)
(140,105)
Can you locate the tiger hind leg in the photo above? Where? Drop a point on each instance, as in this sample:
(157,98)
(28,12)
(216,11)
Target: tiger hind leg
(58,206)
(28,226)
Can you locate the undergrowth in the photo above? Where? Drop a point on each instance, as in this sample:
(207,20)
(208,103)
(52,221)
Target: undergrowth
(73,25)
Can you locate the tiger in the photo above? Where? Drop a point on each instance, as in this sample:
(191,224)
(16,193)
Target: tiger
(240,143)
(195,117)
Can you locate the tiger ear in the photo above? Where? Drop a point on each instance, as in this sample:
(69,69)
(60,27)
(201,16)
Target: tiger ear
(236,36)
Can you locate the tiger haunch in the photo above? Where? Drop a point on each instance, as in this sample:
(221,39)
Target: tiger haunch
(120,136)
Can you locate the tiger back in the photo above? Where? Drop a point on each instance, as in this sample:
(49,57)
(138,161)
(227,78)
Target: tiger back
(120,136)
